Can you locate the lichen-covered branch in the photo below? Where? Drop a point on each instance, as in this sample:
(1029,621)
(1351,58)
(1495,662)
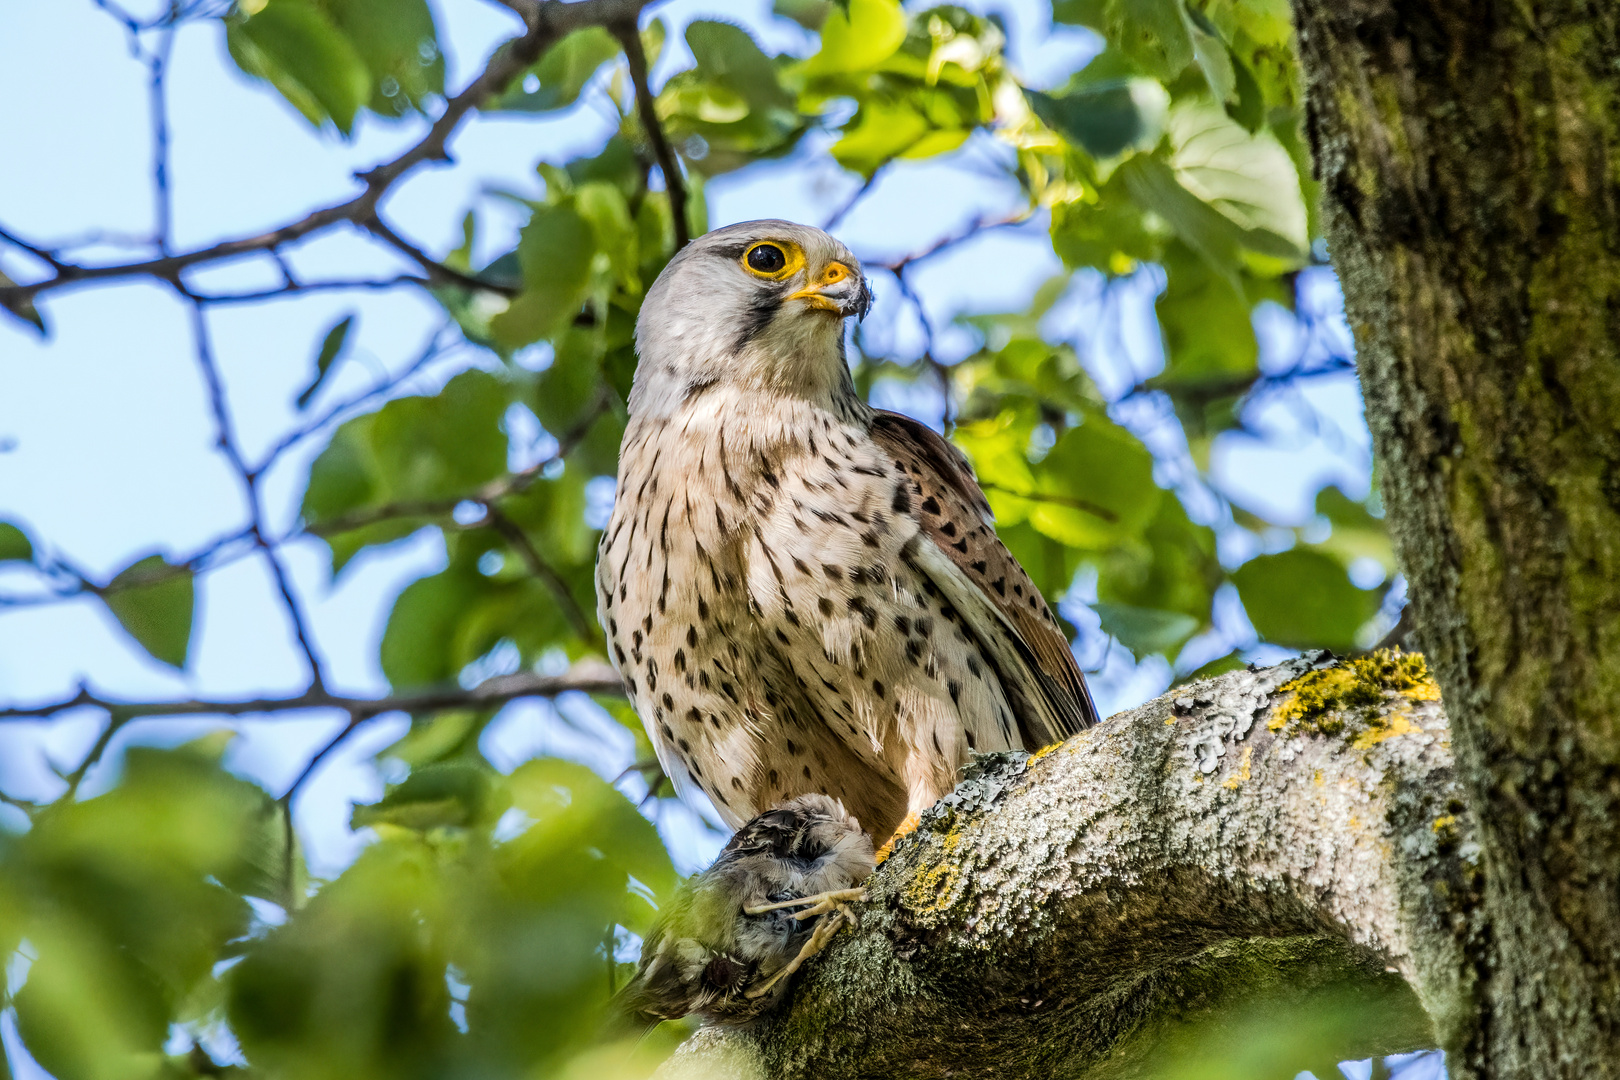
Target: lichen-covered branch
(1059,915)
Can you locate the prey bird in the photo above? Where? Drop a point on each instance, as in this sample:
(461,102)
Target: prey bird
(804,594)
(726,944)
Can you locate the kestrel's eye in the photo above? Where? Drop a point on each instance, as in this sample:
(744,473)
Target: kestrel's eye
(766,259)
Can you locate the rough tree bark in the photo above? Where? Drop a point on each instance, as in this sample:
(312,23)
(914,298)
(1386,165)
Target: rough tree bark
(1469,152)
(1059,916)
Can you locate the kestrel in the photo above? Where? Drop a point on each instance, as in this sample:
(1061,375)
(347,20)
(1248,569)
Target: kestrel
(805,594)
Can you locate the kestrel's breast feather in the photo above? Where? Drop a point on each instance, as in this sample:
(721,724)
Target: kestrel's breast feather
(954,514)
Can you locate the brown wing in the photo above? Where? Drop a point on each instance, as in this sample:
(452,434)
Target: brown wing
(955,515)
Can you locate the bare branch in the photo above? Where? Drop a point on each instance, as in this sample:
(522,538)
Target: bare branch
(298,288)
(519,541)
(551,20)
(591,677)
(647,108)
(226,437)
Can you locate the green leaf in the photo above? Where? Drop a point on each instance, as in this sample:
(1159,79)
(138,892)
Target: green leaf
(555,250)
(154,601)
(295,46)
(859,37)
(1094,486)
(1153,33)
(399,45)
(560,75)
(418,640)
(810,14)
(330,351)
(451,794)
(1106,118)
(1249,110)
(23,309)
(1302,598)
(14,544)
(1208,332)
(1145,630)
(1248,178)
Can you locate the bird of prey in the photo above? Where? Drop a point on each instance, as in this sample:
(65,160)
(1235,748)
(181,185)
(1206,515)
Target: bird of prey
(802,593)
(727,942)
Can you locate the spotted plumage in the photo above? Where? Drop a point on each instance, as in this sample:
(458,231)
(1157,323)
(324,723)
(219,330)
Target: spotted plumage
(804,594)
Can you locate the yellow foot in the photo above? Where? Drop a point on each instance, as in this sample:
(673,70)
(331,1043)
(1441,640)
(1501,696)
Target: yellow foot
(905,826)
(823,933)
(817,904)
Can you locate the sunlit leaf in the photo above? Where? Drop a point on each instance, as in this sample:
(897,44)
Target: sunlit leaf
(1250,179)
(859,37)
(556,80)
(153,600)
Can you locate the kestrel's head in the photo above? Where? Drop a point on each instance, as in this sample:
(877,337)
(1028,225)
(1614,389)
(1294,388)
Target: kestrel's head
(760,305)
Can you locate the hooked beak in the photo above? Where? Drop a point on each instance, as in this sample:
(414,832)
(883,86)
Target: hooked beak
(837,289)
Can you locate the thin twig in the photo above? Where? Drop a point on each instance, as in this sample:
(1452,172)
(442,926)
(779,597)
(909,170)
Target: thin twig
(225,436)
(647,108)
(587,677)
(849,204)
(519,542)
(297,288)
(157,93)
(552,20)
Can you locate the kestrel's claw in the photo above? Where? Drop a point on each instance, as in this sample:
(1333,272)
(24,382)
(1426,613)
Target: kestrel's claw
(819,937)
(819,902)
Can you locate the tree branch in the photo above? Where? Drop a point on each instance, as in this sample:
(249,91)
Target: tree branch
(591,677)
(1061,914)
(548,21)
(629,35)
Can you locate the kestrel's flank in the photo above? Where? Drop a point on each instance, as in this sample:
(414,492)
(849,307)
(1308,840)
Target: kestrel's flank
(803,593)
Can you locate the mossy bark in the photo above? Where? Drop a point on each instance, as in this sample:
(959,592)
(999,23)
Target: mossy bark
(1262,836)
(1469,153)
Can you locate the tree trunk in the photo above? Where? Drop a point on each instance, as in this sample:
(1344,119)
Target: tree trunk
(1279,832)
(1469,152)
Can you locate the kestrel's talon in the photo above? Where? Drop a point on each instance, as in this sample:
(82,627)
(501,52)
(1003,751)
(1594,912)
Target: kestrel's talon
(819,937)
(822,902)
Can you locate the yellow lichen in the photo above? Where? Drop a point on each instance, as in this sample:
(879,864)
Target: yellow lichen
(1444,822)
(931,888)
(1233,782)
(1351,692)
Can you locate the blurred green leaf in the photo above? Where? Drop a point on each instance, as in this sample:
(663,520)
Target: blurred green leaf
(560,75)
(330,351)
(1302,598)
(23,309)
(555,251)
(14,544)
(859,37)
(399,45)
(154,600)
(434,796)
(1106,118)
(1145,630)
(295,46)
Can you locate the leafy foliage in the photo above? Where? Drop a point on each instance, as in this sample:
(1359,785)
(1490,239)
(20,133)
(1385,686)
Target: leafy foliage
(476,935)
